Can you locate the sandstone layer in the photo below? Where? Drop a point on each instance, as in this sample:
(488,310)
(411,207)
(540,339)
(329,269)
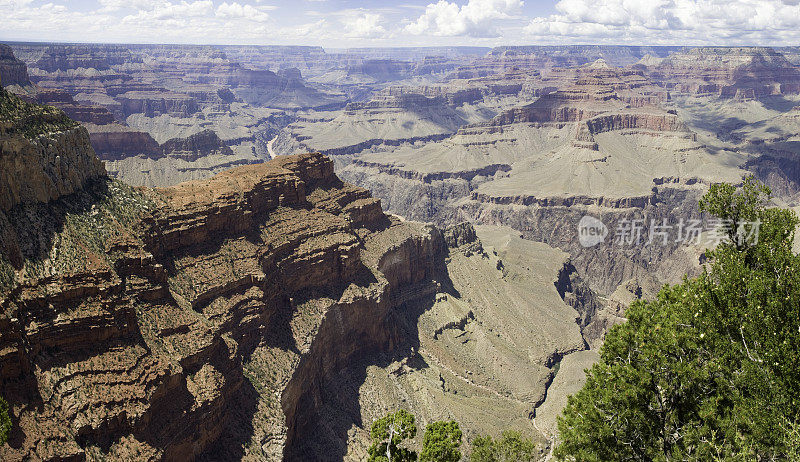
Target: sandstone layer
(136,347)
(43,156)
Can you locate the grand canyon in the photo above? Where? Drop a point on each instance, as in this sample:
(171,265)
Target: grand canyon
(253,252)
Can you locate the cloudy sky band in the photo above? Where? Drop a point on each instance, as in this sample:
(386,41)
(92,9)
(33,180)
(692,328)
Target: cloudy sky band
(345,23)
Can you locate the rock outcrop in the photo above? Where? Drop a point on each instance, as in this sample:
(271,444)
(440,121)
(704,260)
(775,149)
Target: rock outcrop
(153,104)
(116,141)
(43,155)
(53,58)
(142,346)
(195,146)
(535,58)
(12,70)
(90,114)
(162,324)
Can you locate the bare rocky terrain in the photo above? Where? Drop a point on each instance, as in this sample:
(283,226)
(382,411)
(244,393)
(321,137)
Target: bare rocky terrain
(640,138)
(562,137)
(229,317)
(237,303)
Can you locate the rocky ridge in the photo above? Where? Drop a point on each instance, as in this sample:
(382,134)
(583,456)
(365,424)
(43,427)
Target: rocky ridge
(152,335)
(45,155)
(743,73)
(213,319)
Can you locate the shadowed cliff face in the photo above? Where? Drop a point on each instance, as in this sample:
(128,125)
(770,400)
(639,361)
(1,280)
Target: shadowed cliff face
(12,70)
(43,156)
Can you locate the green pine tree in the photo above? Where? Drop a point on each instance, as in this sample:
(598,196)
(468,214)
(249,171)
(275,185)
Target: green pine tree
(707,370)
(388,433)
(511,447)
(5,421)
(441,442)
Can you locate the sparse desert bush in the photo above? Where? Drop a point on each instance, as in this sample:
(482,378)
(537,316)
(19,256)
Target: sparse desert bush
(6,275)
(28,119)
(62,236)
(5,421)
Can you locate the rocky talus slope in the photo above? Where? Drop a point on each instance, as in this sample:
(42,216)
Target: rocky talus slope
(487,349)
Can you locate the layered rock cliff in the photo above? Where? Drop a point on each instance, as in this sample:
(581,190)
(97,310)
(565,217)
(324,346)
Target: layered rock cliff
(117,141)
(740,72)
(12,70)
(171,332)
(92,114)
(195,146)
(188,322)
(153,104)
(44,155)
(269,312)
(606,142)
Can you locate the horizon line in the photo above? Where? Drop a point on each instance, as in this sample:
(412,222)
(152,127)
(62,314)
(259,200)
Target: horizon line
(67,42)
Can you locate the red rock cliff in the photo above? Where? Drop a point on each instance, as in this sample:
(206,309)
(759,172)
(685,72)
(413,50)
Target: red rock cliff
(199,320)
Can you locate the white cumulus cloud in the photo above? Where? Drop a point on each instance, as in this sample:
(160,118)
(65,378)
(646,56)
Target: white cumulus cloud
(14,3)
(236,10)
(671,21)
(173,11)
(364,25)
(477,18)
(457,22)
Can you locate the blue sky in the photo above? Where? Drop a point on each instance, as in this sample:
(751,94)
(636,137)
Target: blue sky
(346,23)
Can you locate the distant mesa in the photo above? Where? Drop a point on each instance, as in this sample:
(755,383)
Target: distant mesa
(736,72)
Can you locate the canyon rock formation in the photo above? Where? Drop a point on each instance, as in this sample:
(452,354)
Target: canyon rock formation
(246,303)
(12,70)
(231,317)
(726,72)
